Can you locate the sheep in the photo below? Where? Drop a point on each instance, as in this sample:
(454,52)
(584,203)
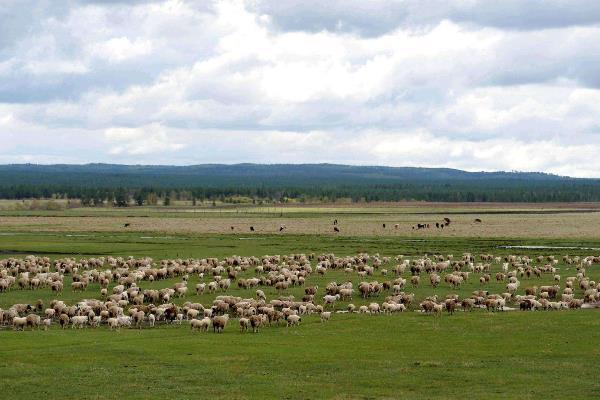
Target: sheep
(244,324)
(219,322)
(138,318)
(200,288)
(63,320)
(389,308)
(46,323)
(256,321)
(19,322)
(95,321)
(50,312)
(113,323)
(450,305)
(330,300)
(325,316)
(512,287)
(374,308)
(293,320)
(151,320)
(33,321)
(414,280)
(78,321)
(200,324)
(346,293)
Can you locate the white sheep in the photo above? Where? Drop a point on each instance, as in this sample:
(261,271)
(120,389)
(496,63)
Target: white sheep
(79,321)
(330,299)
(293,320)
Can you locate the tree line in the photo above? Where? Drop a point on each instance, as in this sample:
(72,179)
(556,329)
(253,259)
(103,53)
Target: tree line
(121,196)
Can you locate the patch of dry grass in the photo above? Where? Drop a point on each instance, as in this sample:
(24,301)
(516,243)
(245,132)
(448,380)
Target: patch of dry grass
(550,225)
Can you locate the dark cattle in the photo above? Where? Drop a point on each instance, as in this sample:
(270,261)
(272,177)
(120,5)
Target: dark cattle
(477,220)
(232,228)
(127,225)
(251,229)
(336,229)
(335,222)
(383,226)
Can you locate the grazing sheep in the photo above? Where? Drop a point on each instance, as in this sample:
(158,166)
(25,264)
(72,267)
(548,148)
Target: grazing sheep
(95,321)
(293,320)
(414,280)
(374,308)
(50,312)
(63,320)
(244,324)
(113,323)
(33,321)
(79,321)
(330,300)
(219,322)
(200,288)
(325,316)
(47,323)
(256,321)
(19,322)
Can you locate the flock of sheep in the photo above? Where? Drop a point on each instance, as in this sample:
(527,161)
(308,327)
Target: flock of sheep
(122,301)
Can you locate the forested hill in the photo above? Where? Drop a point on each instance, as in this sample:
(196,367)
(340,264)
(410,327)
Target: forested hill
(111,175)
(301,181)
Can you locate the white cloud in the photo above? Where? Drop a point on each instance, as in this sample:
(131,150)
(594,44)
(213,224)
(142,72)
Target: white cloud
(140,141)
(454,83)
(120,49)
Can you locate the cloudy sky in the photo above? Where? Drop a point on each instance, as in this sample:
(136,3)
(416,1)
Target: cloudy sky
(476,85)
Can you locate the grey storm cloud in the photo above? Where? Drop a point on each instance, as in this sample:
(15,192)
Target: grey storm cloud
(478,85)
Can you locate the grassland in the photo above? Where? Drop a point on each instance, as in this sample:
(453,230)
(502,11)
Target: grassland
(573,221)
(469,355)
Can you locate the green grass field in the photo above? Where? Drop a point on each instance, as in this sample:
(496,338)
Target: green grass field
(476,354)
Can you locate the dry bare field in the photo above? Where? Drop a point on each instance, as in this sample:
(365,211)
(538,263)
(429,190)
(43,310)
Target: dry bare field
(497,224)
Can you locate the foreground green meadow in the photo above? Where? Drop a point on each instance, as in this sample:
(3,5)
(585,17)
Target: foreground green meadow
(503,355)
(473,355)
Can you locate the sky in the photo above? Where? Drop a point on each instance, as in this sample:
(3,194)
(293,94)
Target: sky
(467,84)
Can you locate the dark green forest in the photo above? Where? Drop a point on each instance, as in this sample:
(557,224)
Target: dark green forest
(122,185)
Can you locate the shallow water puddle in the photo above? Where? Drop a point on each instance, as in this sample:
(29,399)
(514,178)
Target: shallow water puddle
(539,247)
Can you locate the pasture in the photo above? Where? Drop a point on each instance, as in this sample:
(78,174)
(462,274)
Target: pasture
(475,354)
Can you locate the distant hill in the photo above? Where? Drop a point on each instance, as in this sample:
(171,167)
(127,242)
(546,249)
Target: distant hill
(329,181)
(169,176)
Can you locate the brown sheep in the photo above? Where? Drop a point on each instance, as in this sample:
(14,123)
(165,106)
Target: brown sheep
(219,322)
